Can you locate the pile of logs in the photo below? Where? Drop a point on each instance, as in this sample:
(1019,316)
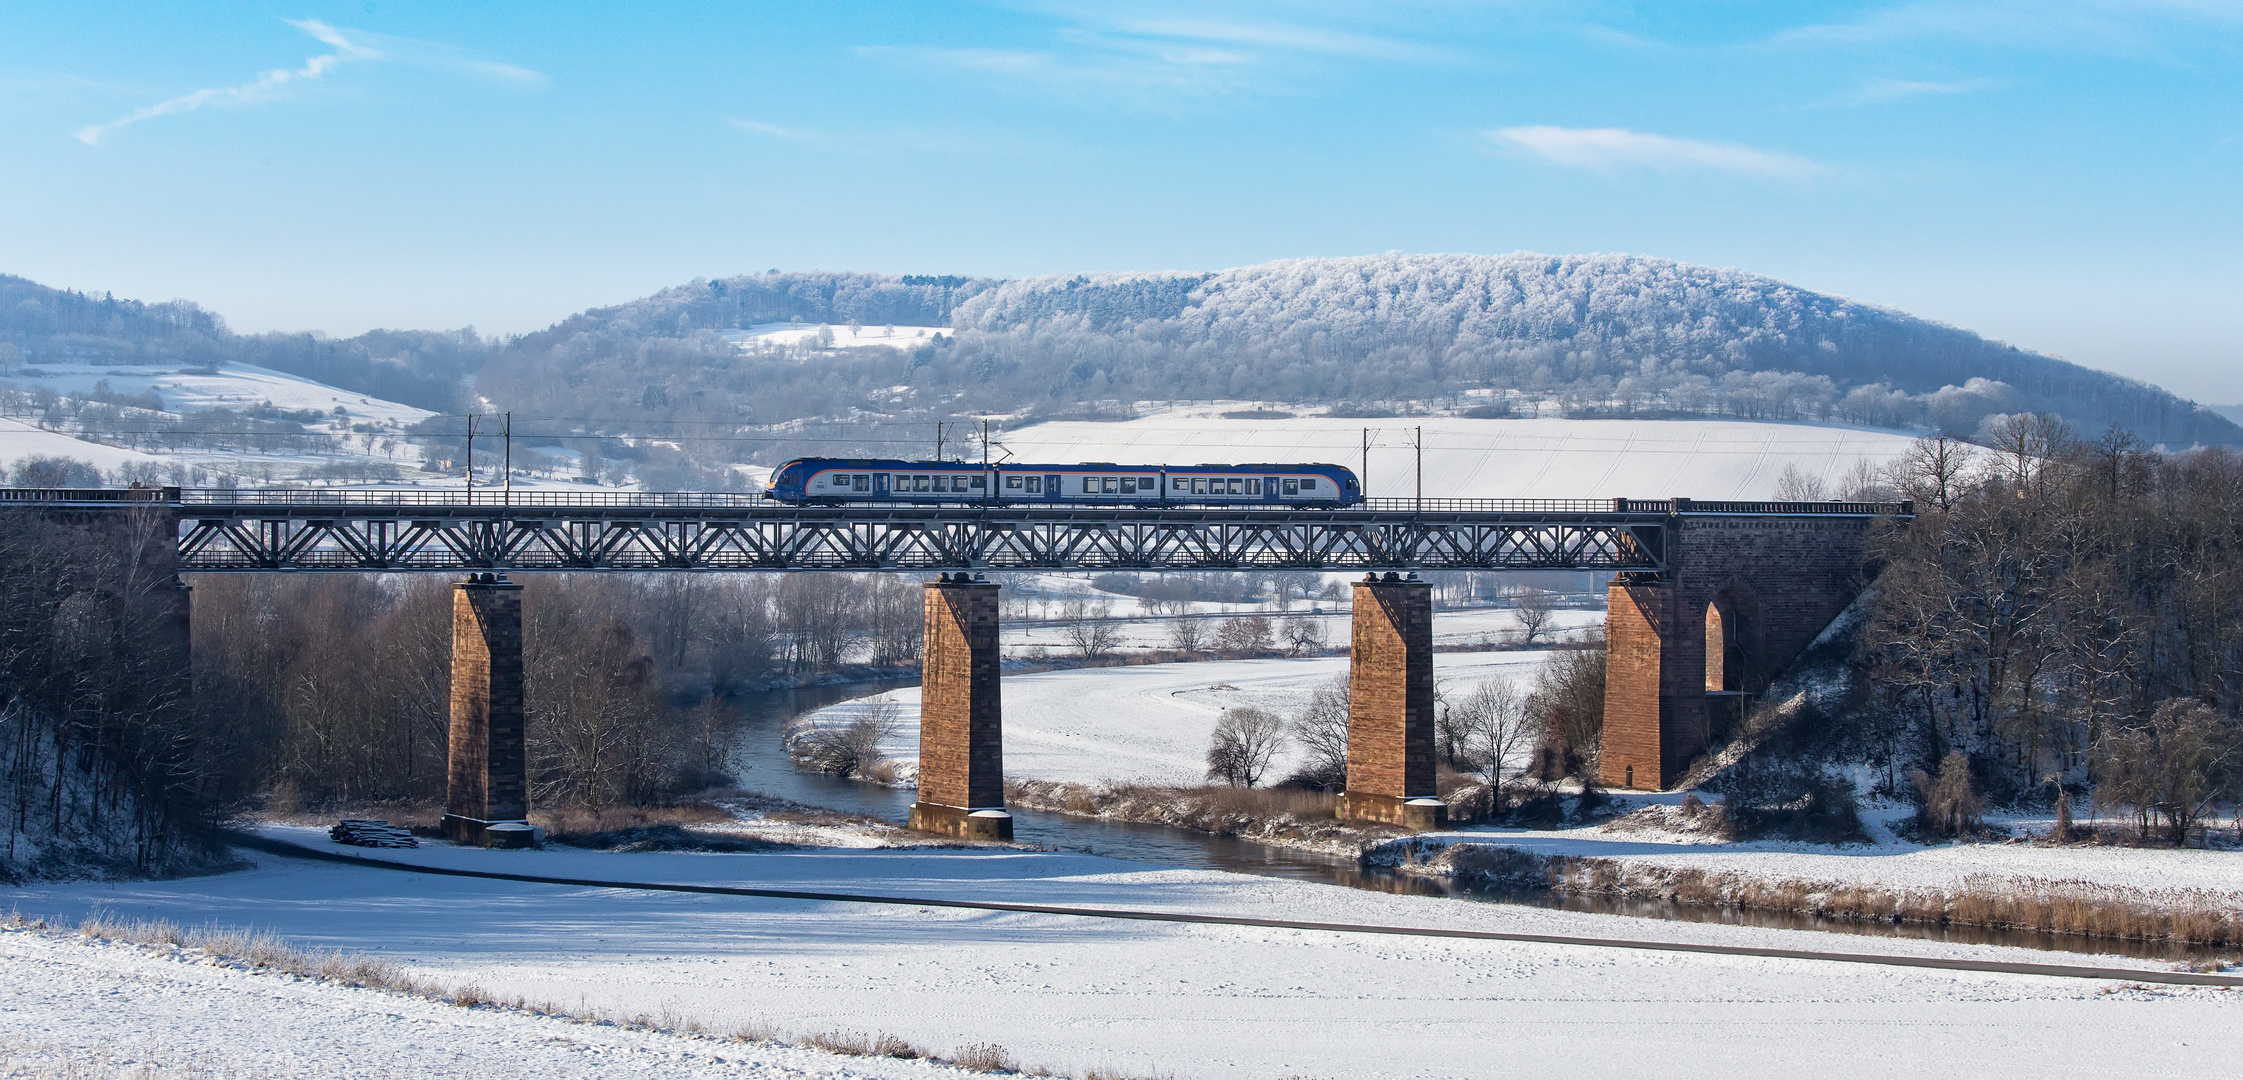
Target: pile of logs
(371,832)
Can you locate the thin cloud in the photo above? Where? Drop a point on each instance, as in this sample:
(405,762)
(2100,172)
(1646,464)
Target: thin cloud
(1886,91)
(1284,36)
(758,127)
(1616,148)
(350,48)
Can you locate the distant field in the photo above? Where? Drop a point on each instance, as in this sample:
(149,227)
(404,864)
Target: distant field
(1512,459)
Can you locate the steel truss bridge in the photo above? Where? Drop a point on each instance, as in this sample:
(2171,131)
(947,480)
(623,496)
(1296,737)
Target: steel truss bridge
(437,531)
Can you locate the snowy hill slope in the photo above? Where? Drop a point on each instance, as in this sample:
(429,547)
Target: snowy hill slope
(1508,459)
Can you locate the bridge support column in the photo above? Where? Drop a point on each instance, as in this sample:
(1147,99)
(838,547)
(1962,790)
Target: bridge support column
(961,743)
(487,799)
(1390,746)
(1654,710)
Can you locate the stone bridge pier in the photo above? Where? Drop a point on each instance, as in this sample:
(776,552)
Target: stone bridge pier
(1390,745)
(1743,597)
(486,799)
(961,741)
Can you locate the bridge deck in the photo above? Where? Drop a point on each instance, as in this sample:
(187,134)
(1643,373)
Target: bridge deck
(449,531)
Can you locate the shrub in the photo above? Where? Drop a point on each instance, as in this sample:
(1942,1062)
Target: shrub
(1946,805)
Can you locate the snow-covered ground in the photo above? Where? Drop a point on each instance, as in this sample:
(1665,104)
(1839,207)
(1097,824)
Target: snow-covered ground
(1509,459)
(22,440)
(233,386)
(1151,724)
(1468,627)
(72,1008)
(1067,993)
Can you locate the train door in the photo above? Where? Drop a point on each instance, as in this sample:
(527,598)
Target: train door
(1270,489)
(879,486)
(1051,486)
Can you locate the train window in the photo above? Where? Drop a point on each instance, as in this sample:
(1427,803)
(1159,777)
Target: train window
(1145,483)
(1199,485)
(1253,486)
(1129,485)
(1308,483)
(919,482)
(860,482)
(1292,487)
(942,483)
(980,481)
(1035,485)
(1234,487)
(1090,485)
(1112,486)
(1012,483)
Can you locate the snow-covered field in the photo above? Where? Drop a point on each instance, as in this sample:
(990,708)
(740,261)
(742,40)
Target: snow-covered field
(1472,626)
(22,440)
(1509,459)
(1067,993)
(234,386)
(1150,724)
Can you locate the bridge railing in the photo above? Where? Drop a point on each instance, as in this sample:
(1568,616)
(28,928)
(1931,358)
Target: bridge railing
(89,495)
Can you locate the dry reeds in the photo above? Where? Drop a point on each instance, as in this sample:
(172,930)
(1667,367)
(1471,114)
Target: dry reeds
(2185,917)
(1282,814)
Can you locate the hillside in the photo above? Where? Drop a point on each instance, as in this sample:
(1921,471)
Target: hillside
(43,326)
(1580,336)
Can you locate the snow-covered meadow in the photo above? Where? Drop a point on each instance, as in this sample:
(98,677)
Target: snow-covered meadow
(1494,459)
(233,386)
(1151,724)
(1066,993)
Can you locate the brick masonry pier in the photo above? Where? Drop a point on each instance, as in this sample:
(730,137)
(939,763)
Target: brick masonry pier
(1743,597)
(961,743)
(1390,706)
(487,797)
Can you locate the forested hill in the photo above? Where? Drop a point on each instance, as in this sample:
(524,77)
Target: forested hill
(1601,335)
(426,368)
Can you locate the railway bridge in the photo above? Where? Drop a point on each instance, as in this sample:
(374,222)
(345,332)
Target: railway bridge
(1708,603)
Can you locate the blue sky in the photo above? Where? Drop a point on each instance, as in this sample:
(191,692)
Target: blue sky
(2060,175)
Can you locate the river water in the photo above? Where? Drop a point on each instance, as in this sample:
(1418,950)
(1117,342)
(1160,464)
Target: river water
(762,765)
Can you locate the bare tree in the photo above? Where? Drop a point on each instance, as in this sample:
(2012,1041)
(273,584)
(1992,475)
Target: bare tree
(1533,608)
(1936,471)
(1090,628)
(1246,741)
(1488,728)
(1303,634)
(1797,485)
(1321,729)
(1251,634)
(2172,767)
(1187,633)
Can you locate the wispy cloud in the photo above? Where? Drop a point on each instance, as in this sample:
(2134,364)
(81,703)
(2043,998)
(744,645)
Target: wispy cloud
(350,47)
(1285,36)
(1616,148)
(2109,26)
(1162,55)
(758,127)
(1886,91)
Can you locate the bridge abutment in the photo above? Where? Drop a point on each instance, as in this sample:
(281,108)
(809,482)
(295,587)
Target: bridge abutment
(1390,745)
(487,796)
(1742,597)
(961,743)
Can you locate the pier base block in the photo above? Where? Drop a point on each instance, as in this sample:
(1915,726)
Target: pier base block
(961,823)
(1419,814)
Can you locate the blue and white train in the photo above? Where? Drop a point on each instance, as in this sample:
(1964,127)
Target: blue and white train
(812,481)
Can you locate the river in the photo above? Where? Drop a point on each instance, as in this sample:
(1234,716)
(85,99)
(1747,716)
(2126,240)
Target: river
(762,765)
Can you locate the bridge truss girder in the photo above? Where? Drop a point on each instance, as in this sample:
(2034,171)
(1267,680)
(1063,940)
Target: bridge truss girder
(267,538)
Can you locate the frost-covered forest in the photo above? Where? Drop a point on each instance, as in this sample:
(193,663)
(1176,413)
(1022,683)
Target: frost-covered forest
(1575,335)
(1508,335)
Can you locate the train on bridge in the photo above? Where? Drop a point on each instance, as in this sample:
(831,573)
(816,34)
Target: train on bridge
(835,481)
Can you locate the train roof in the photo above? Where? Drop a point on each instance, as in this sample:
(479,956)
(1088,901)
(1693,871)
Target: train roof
(899,463)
